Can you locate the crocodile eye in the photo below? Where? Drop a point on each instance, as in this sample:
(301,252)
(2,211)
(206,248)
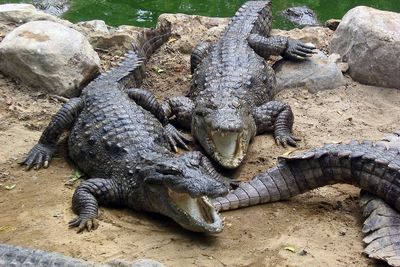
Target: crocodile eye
(170,171)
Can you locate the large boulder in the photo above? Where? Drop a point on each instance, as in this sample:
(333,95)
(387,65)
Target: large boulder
(316,73)
(49,56)
(369,40)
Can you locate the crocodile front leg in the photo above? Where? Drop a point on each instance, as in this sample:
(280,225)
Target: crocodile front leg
(278,45)
(86,198)
(200,51)
(278,117)
(180,110)
(42,152)
(148,101)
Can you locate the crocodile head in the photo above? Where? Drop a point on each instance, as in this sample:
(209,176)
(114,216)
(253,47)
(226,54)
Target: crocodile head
(180,188)
(224,131)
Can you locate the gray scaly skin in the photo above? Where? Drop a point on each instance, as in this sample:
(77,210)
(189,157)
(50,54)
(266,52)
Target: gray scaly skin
(232,87)
(120,137)
(372,166)
(301,16)
(382,222)
(23,257)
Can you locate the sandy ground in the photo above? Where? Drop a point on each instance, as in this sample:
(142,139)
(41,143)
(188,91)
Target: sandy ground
(322,227)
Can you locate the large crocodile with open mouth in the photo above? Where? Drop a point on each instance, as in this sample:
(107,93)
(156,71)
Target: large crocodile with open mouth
(230,99)
(372,166)
(121,139)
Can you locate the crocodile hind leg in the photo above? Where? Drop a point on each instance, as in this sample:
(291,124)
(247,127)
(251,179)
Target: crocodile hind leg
(382,229)
(86,198)
(40,155)
(278,117)
(200,51)
(148,101)
(278,45)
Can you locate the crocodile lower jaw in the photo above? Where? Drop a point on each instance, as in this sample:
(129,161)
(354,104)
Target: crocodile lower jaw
(200,211)
(228,148)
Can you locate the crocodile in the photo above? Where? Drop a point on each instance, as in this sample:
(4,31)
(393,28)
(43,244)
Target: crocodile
(372,166)
(121,139)
(230,98)
(301,16)
(20,256)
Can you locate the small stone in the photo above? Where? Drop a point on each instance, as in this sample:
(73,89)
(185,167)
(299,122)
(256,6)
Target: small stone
(303,252)
(342,231)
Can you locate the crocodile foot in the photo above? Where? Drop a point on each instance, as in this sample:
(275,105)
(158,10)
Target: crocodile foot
(175,138)
(297,50)
(83,223)
(286,139)
(39,156)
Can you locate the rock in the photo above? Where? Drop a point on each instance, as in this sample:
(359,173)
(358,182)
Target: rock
(184,27)
(53,7)
(117,43)
(95,25)
(14,15)
(317,73)
(369,41)
(16,12)
(332,24)
(319,36)
(38,54)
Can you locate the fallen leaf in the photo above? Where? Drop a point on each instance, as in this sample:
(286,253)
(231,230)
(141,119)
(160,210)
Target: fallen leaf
(74,177)
(7,228)
(158,70)
(10,187)
(172,40)
(290,248)
(287,153)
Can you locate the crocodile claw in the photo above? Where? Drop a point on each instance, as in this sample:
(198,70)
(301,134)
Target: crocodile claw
(38,157)
(297,50)
(175,138)
(285,140)
(88,224)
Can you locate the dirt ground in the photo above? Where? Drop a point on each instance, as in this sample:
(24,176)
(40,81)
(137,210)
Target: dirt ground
(322,227)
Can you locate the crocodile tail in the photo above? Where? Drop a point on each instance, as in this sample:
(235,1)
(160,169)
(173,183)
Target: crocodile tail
(381,226)
(370,166)
(131,71)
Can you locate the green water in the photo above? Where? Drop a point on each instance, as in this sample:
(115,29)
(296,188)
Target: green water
(145,12)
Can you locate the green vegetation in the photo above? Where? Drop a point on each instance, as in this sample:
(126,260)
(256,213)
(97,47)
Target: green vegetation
(145,12)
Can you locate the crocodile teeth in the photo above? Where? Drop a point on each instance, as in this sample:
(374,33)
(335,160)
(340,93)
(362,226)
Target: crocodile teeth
(199,208)
(225,143)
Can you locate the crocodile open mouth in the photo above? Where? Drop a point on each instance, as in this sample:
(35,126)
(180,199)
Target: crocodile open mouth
(200,210)
(228,147)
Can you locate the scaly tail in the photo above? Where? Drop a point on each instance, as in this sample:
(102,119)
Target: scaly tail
(131,71)
(382,229)
(371,166)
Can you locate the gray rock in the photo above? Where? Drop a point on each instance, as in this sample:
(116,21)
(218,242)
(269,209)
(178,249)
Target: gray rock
(16,12)
(95,25)
(319,36)
(317,73)
(49,56)
(369,40)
